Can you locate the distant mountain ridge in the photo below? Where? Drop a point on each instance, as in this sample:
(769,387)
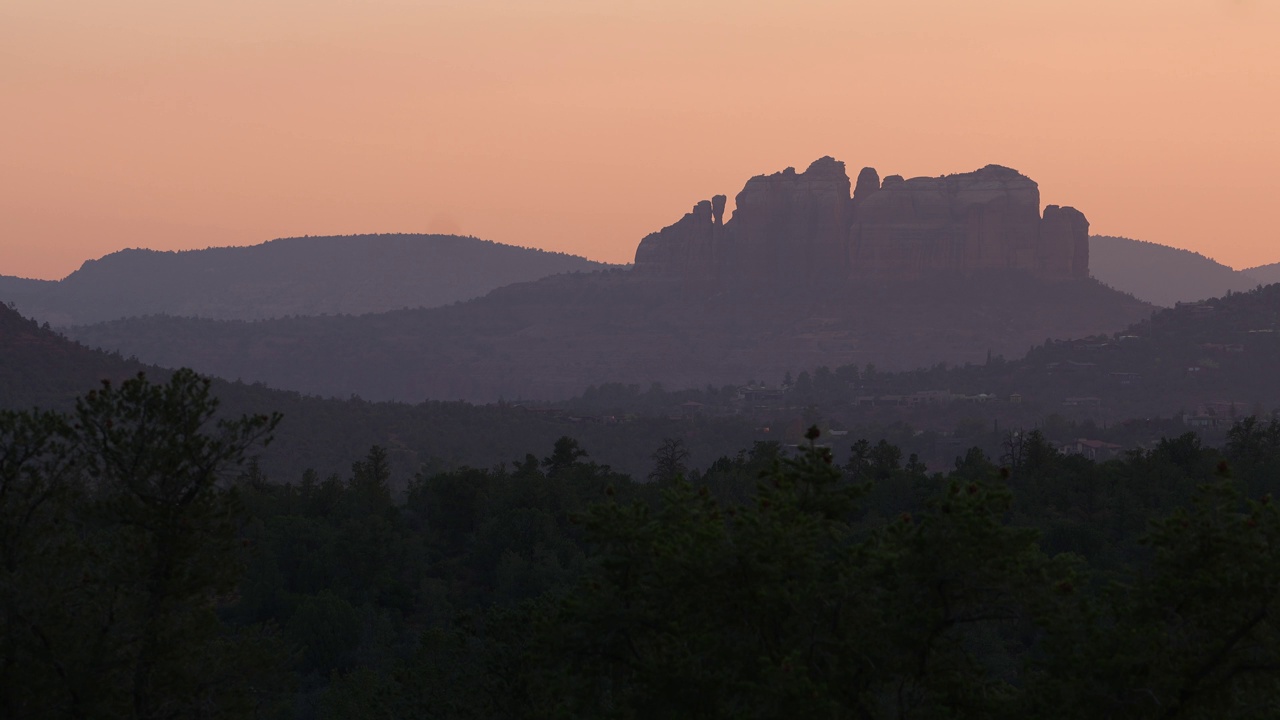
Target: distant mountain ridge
(552,338)
(1164,275)
(902,274)
(353,274)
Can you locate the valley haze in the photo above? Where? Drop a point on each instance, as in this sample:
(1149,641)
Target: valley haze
(809,270)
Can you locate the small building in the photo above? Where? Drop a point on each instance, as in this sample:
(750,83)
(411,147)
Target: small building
(1092,449)
(1223,347)
(1199,421)
(1201,307)
(1082,402)
(929,397)
(691,408)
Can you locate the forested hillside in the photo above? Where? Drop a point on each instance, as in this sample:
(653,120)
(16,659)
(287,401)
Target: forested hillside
(351,274)
(39,368)
(552,338)
(1207,363)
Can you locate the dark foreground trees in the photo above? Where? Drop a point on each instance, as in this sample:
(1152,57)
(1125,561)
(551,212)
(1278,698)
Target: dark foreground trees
(790,606)
(119,542)
(137,582)
(807,597)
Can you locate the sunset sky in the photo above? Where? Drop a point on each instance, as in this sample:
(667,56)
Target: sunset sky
(582,125)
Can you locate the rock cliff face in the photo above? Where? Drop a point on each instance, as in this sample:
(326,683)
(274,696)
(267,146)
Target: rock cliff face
(806,228)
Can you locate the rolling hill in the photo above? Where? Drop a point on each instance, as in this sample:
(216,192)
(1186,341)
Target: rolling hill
(291,276)
(1163,275)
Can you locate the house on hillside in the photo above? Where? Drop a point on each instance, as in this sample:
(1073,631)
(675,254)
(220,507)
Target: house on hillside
(1213,414)
(1092,449)
(1200,307)
(928,397)
(759,397)
(1070,366)
(1082,402)
(1223,347)
(690,409)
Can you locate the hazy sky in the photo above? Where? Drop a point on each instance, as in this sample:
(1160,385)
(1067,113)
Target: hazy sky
(582,125)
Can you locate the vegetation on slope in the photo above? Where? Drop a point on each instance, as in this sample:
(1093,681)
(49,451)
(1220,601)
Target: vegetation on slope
(552,338)
(1215,358)
(40,368)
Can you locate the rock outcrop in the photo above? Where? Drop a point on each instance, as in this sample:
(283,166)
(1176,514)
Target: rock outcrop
(806,228)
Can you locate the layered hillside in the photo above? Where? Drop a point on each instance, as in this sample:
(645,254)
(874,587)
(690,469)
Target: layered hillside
(1163,275)
(1215,358)
(900,274)
(552,338)
(40,368)
(291,276)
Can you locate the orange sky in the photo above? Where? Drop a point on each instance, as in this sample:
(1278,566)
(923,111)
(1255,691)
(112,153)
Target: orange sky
(582,125)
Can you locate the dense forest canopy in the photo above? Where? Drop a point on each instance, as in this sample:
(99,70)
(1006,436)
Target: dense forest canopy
(151,569)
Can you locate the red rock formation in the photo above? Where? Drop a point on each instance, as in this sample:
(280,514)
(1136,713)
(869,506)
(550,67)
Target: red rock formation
(868,183)
(1064,242)
(686,248)
(804,228)
(791,228)
(984,219)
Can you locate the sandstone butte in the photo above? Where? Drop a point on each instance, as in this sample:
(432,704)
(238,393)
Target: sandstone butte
(803,228)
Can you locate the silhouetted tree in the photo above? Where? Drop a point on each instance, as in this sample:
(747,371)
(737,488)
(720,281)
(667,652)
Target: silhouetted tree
(566,453)
(669,460)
